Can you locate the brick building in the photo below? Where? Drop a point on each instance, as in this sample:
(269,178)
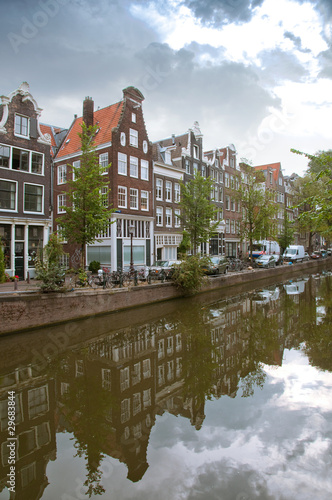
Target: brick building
(25,182)
(125,152)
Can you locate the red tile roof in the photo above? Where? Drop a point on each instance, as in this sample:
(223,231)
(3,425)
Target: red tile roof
(106,119)
(47,129)
(276,167)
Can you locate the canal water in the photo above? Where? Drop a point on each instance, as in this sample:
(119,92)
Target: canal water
(225,396)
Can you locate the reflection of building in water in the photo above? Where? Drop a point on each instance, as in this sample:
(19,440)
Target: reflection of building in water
(120,371)
(34,430)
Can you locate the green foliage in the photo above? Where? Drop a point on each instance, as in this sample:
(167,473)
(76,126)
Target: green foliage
(198,211)
(314,194)
(86,215)
(94,266)
(184,246)
(287,236)
(258,207)
(2,265)
(188,275)
(48,269)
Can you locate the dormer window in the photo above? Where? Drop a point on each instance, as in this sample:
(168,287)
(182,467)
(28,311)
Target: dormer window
(196,151)
(21,126)
(168,157)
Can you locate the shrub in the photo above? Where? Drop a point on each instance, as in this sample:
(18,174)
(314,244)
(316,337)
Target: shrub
(2,265)
(94,266)
(48,269)
(189,275)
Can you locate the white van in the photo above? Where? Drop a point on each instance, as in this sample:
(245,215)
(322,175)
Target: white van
(294,253)
(265,247)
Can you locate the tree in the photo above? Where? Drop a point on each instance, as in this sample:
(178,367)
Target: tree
(316,201)
(258,207)
(198,210)
(287,236)
(86,215)
(48,267)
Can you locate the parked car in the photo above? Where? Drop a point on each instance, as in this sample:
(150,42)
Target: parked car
(217,265)
(316,255)
(167,266)
(265,261)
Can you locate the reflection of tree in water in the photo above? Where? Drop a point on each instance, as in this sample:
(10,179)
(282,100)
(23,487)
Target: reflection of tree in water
(86,407)
(197,363)
(318,332)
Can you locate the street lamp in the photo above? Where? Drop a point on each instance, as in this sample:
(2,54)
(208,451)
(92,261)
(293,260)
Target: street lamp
(131,232)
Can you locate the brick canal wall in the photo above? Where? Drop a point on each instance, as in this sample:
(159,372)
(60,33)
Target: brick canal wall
(22,311)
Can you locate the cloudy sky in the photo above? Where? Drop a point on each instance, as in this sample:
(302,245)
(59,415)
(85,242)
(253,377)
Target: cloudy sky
(256,73)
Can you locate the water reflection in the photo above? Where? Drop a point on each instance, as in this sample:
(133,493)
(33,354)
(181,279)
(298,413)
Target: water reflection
(107,391)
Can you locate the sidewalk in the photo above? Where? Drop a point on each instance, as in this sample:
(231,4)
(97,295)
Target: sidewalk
(19,286)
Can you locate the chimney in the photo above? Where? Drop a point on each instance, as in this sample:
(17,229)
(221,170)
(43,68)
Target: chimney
(88,105)
(173,138)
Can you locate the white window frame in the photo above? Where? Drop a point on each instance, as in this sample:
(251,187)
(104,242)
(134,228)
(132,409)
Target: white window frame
(62,197)
(123,193)
(168,191)
(103,162)
(62,174)
(19,134)
(133,167)
(144,170)
(122,160)
(10,209)
(177,192)
(159,189)
(133,138)
(159,216)
(145,196)
(42,199)
(168,216)
(76,164)
(177,220)
(133,199)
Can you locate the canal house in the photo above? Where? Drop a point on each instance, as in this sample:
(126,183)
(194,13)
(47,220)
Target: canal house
(25,182)
(124,150)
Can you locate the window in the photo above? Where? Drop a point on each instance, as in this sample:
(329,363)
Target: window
(196,151)
(4,156)
(168,157)
(21,125)
(136,373)
(61,203)
(122,164)
(146,398)
(168,217)
(76,166)
(36,163)
(227,202)
(168,187)
(271,177)
(144,200)
(133,166)
(177,192)
(133,138)
(124,378)
(146,368)
(33,198)
(20,160)
(195,167)
(203,171)
(125,410)
(232,182)
(232,226)
(137,404)
(7,195)
(62,174)
(177,221)
(233,205)
(36,237)
(226,179)
(227,226)
(122,197)
(187,167)
(103,162)
(144,170)
(159,216)
(104,195)
(280,181)
(159,189)
(134,198)
(133,117)
(38,401)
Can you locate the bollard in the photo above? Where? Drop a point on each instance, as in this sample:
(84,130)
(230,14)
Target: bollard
(28,277)
(15,284)
(135,278)
(149,277)
(162,272)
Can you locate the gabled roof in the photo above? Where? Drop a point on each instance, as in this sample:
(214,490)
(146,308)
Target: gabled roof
(276,167)
(106,119)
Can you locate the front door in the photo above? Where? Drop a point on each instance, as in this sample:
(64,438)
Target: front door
(19,260)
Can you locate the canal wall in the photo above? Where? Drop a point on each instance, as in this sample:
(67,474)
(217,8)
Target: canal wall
(21,311)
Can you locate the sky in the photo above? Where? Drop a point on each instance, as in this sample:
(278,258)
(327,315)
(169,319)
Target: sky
(254,73)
